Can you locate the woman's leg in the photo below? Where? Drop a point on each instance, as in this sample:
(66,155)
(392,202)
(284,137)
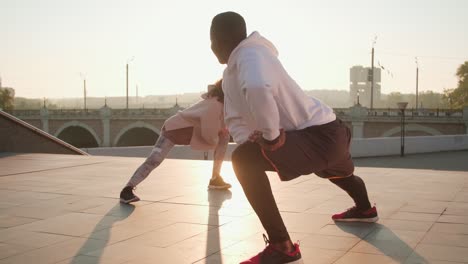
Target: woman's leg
(219,153)
(162,146)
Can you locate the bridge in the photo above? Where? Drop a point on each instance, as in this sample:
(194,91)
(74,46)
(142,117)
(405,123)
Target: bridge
(106,127)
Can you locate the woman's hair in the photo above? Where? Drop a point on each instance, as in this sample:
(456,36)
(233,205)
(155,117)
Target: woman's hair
(217,91)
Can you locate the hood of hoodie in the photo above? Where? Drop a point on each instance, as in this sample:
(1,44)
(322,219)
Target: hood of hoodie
(253,40)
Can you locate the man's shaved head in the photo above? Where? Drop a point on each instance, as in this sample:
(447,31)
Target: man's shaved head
(229,25)
(227,30)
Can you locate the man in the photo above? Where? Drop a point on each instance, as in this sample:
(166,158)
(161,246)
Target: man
(280,129)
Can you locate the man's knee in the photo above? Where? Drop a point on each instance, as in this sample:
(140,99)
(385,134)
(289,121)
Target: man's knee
(246,156)
(247,152)
(343,179)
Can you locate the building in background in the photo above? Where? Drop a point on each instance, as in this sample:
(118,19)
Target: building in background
(360,85)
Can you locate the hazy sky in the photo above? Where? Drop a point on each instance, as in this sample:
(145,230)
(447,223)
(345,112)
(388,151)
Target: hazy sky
(44,45)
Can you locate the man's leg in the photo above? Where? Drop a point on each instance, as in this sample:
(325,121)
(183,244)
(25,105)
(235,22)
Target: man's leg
(250,166)
(356,188)
(363,211)
(353,185)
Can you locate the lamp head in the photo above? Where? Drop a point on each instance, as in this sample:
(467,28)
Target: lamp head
(402,105)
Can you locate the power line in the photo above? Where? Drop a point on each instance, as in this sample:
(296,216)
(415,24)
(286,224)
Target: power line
(422,56)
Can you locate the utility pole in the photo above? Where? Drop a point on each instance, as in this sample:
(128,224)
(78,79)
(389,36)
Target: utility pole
(417,81)
(372,81)
(84,93)
(372,75)
(128,61)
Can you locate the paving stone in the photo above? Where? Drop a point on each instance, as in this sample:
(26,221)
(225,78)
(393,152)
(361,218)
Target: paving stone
(67,213)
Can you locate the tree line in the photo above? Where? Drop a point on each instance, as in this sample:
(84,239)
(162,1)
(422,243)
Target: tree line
(458,97)
(455,98)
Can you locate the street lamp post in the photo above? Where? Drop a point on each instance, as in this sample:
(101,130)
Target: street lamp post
(402,107)
(83,76)
(84,94)
(127,85)
(417,82)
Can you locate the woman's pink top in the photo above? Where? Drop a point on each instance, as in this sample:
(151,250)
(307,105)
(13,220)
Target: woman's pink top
(207,119)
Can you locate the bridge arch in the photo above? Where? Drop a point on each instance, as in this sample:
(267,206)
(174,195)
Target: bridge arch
(412,127)
(70,130)
(148,133)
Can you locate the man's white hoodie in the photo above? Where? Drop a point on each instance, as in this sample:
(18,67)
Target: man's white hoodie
(260,95)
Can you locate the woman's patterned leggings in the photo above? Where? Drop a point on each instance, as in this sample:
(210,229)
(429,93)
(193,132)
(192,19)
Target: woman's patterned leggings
(160,150)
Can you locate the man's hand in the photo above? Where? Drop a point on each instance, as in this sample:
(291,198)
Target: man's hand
(273,145)
(255,136)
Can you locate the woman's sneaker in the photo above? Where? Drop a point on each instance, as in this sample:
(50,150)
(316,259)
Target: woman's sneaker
(353,214)
(271,255)
(127,196)
(218,183)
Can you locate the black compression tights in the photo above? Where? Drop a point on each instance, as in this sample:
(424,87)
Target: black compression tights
(356,188)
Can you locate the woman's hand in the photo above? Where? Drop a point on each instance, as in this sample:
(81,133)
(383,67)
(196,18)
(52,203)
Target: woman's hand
(224,132)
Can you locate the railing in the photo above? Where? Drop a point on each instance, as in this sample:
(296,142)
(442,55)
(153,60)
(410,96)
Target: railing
(393,112)
(23,112)
(166,112)
(56,112)
(342,111)
(423,113)
(159,112)
(145,112)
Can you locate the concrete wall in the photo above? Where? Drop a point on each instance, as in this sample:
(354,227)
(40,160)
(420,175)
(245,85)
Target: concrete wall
(21,137)
(392,129)
(372,147)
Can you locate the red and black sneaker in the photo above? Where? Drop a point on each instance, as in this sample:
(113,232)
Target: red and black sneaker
(353,214)
(271,255)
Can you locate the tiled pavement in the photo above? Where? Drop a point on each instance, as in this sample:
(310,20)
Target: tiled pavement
(64,209)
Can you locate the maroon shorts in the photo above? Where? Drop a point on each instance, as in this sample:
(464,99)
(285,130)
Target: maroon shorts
(323,150)
(181,136)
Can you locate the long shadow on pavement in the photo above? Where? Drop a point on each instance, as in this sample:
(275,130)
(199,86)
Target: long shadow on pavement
(447,161)
(119,212)
(386,241)
(216,199)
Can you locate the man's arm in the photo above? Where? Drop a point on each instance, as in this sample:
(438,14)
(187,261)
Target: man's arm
(238,129)
(257,87)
